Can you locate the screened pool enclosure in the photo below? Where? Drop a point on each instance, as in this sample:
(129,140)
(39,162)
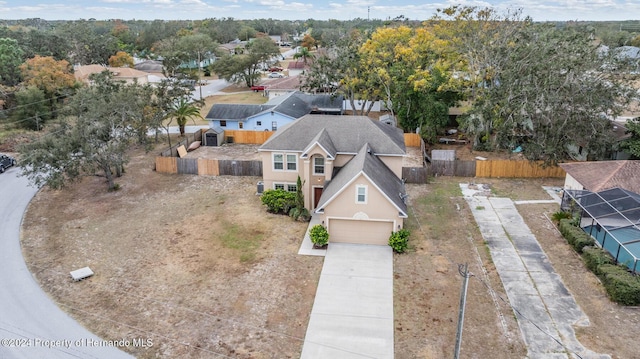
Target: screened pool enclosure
(612,217)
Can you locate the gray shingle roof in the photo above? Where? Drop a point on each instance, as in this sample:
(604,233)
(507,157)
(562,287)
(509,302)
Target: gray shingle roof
(371,166)
(294,105)
(324,140)
(225,111)
(348,134)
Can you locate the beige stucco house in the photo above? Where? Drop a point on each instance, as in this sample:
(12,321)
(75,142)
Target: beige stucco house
(351,168)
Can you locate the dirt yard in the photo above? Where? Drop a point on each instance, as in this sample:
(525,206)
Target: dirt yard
(198,266)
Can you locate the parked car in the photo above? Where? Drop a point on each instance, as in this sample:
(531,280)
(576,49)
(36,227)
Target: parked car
(276,69)
(275,75)
(256,88)
(6,162)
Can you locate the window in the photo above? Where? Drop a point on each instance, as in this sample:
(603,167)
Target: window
(278,161)
(318,165)
(292,163)
(274,125)
(241,125)
(259,123)
(223,123)
(361,194)
(289,187)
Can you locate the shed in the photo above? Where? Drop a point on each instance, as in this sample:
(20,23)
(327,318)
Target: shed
(213,137)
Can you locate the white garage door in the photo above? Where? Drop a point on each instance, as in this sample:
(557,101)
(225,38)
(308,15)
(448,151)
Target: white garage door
(359,231)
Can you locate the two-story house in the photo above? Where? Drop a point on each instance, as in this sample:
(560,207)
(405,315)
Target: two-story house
(350,167)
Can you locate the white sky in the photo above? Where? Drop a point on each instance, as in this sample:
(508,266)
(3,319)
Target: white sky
(539,10)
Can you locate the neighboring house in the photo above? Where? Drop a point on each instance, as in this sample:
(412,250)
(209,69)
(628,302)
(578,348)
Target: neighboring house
(283,86)
(274,114)
(351,169)
(150,66)
(124,74)
(596,176)
(233,48)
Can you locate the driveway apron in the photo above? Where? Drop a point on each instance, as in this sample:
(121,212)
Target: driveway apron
(31,325)
(545,309)
(352,315)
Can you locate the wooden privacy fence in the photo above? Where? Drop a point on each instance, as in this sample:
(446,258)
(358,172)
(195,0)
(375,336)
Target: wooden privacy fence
(188,139)
(412,140)
(208,167)
(516,169)
(248,137)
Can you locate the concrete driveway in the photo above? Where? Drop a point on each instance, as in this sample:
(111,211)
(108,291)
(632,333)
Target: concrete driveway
(545,309)
(352,315)
(31,325)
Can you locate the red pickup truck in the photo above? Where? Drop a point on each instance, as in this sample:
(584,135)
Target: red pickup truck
(256,88)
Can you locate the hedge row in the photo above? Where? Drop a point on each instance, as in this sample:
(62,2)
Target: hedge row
(575,236)
(621,286)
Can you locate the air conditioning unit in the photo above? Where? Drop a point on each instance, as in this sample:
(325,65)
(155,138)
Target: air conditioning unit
(260,188)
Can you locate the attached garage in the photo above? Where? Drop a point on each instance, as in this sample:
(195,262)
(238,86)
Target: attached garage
(359,231)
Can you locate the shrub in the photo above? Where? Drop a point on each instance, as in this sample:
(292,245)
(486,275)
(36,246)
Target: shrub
(278,200)
(300,214)
(319,235)
(560,215)
(595,257)
(622,286)
(575,235)
(399,240)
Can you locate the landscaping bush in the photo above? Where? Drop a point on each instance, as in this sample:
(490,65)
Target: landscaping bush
(560,215)
(622,286)
(575,235)
(594,257)
(278,200)
(319,235)
(399,240)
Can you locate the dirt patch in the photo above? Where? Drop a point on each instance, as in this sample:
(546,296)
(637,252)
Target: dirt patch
(197,265)
(234,151)
(194,263)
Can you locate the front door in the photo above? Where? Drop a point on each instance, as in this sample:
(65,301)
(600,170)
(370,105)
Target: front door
(317,193)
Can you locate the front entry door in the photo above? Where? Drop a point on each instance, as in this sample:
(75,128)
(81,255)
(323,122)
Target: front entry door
(317,193)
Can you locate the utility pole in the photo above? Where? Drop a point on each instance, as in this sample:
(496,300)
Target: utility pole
(463,300)
(368,12)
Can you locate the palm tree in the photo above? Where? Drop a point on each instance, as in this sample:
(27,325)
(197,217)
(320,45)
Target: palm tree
(182,111)
(304,53)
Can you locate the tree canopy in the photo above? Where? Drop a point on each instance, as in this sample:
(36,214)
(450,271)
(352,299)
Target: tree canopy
(245,68)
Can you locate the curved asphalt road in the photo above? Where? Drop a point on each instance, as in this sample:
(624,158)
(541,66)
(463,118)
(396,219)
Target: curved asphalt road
(29,320)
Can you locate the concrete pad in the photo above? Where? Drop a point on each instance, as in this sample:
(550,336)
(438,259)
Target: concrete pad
(518,282)
(352,314)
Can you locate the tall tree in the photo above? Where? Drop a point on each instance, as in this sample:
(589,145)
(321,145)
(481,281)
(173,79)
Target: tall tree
(93,141)
(11,56)
(245,68)
(121,59)
(551,95)
(632,143)
(31,110)
(53,77)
